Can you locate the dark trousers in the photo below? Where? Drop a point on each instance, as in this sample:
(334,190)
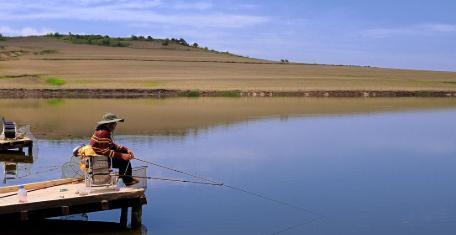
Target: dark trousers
(124,168)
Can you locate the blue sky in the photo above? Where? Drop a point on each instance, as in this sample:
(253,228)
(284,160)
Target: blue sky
(399,34)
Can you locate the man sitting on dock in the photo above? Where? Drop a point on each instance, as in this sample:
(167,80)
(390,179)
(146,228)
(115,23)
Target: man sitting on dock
(102,143)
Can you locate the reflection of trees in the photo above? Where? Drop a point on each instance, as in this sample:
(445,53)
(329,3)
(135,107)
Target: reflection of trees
(16,164)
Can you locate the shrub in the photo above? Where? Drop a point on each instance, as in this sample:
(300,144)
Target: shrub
(55,81)
(2,38)
(56,101)
(195,45)
(229,93)
(45,52)
(165,42)
(192,93)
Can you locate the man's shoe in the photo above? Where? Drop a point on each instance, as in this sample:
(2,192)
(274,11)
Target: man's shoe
(131,181)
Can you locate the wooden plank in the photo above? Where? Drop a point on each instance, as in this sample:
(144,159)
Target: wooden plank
(9,141)
(33,186)
(74,209)
(54,198)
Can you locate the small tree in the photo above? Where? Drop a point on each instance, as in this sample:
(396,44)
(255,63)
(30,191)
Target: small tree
(133,37)
(195,45)
(182,42)
(1,37)
(106,41)
(149,38)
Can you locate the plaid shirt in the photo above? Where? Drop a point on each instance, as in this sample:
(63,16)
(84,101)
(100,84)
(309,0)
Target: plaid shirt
(102,144)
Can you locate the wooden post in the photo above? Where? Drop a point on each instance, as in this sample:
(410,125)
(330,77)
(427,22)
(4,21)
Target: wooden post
(65,210)
(30,149)
(104,205)
(24,215)
(124,216)
(136,214)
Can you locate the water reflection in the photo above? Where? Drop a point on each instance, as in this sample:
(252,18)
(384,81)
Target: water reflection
(16,164)
(72,227)
(75,118)
(381,173)
(13,140)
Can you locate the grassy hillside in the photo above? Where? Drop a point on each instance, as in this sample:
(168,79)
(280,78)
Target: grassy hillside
(52,62)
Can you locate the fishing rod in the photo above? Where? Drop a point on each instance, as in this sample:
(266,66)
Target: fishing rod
(172,180)
(239,189)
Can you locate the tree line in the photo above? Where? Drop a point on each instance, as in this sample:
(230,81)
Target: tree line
(105,40)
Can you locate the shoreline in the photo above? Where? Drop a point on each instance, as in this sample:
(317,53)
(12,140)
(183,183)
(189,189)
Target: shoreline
(164,93)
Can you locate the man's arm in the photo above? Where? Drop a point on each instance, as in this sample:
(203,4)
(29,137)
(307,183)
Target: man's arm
(102,144)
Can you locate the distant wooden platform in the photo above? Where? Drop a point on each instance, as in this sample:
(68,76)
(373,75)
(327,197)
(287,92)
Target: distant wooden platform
(59,198)
(25,142)
(15,156)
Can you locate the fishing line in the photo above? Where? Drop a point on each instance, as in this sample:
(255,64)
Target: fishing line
(50,169)
(178,171)
(296,226)
(172,180)
(239,189)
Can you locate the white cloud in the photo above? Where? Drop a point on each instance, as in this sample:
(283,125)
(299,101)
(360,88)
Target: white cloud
(193,5)
(26,31)
(417,29)
(137,12)
(444,28)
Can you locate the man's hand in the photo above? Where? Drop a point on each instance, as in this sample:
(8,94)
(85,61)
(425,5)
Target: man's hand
(127,157)
(131,154)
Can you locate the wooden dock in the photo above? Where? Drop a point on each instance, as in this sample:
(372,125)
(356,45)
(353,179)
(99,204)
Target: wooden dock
(15,156)
(19,144)
(60,198)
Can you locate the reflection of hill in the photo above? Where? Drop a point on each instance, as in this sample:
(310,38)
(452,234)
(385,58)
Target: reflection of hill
(70,118)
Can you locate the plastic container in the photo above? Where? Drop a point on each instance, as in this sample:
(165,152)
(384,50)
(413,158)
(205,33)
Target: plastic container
(120,184)
(22,194)
(83,191)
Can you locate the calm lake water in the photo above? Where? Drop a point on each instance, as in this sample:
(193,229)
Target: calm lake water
(371,173)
